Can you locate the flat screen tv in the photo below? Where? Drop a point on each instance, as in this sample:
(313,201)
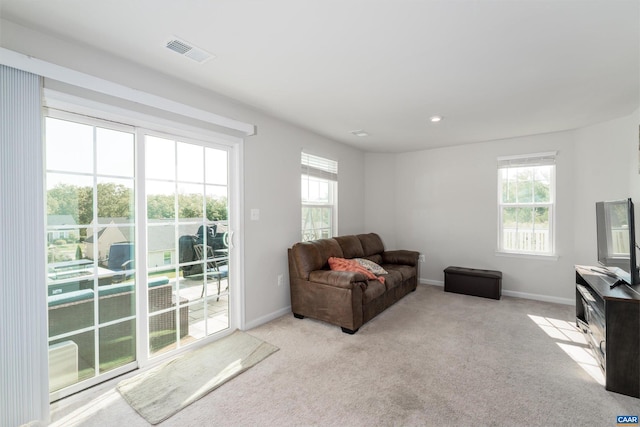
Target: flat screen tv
(617,239)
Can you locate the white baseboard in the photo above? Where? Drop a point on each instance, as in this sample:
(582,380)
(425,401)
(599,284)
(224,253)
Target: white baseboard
(538,297)
(514,294)
(269,317)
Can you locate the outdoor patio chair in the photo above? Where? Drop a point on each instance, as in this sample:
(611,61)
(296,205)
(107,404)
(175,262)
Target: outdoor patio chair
(217,267)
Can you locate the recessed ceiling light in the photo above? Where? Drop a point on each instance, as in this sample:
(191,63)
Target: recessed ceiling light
(359,132)
(435,119)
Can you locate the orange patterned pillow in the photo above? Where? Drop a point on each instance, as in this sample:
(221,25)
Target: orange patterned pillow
(342,264)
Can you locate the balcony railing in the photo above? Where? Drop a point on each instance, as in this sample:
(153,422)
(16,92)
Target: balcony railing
(620,241)
(536,241)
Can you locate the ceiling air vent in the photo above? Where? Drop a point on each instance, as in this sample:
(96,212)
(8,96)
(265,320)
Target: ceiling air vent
(190,51)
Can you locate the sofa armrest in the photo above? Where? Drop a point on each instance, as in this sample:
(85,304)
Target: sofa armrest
(339,279)
(400,257)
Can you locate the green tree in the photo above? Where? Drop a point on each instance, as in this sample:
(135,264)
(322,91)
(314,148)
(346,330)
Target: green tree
(526,185)
(160,206)
(190,205)
(217,209)
(67,199)
(117,200)
(114,200)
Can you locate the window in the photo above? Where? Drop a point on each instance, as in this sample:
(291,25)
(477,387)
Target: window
(526,201)
(319,194)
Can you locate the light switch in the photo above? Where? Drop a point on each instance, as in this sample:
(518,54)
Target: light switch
(255,214)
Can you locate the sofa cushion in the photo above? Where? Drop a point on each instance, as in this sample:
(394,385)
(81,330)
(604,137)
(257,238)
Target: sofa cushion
(342,264)
(400,257)
(406,271)
(157,281)
(392,279)
(340,279)
(371,266)
(118,288)
(328,248)
(351,246)
(377,258)
(69,297)
(371,244)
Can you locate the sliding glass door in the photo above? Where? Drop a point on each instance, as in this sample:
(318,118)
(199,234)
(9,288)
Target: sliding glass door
(90,213)
(138,247)
(187,241)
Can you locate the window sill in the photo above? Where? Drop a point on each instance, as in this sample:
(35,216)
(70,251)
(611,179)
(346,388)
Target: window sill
(541,257)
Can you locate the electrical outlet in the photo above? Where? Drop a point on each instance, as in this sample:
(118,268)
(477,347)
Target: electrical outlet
(421,258)
(280,279)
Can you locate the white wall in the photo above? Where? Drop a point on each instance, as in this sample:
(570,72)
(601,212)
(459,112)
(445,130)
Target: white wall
(380,179)
(271,164)
(445,203)
(606,169)
(272,184)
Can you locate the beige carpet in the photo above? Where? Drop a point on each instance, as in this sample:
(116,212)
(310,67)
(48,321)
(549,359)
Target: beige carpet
(161,392)
(432,359)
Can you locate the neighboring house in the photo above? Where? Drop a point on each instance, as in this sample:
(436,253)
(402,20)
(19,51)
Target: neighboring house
(62,227)
(118,230)
(161,246)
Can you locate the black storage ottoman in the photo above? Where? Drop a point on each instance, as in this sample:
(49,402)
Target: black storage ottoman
(472,281)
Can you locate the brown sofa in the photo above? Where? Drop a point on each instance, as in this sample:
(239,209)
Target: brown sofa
(345,298)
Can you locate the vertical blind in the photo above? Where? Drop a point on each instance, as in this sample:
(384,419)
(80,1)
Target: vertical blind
(24,393)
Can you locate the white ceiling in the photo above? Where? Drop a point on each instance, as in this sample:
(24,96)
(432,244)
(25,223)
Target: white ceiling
(493,68)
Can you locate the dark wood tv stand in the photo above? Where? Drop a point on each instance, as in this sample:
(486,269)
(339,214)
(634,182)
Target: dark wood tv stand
(610,320)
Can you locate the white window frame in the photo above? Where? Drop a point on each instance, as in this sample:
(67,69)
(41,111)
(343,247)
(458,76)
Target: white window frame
(319,169)
(528,160)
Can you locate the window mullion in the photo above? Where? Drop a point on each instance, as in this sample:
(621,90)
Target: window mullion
(141,224)
(94,229)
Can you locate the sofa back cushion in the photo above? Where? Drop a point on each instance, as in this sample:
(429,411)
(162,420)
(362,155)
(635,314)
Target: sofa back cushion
(311,256)
(371,245)
(351,246)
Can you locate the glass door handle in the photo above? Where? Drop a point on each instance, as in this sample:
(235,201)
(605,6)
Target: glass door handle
(227,241)
(229,238)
